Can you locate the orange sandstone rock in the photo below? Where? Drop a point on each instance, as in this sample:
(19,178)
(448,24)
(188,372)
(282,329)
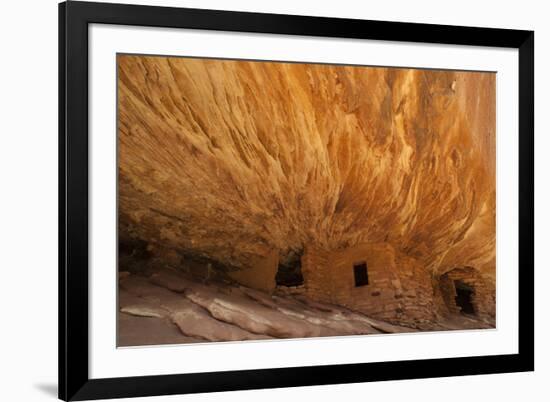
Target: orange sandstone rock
(236,160)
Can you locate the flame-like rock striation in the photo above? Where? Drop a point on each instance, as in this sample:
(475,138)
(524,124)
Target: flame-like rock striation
(233,159)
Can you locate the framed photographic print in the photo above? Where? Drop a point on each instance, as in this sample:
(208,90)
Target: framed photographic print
(257,200)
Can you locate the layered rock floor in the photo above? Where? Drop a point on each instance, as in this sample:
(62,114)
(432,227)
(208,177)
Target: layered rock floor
(170,308)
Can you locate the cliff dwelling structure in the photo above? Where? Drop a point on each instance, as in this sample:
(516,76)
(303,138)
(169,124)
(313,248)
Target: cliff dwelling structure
(263,200)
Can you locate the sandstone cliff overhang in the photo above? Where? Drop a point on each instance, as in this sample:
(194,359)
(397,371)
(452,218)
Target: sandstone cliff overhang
(231,160)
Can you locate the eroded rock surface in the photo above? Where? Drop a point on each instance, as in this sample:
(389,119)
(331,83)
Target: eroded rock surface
(233,159)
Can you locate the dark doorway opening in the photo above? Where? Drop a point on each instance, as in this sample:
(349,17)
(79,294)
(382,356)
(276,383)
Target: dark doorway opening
(463,297)
(289,272)
(360,274)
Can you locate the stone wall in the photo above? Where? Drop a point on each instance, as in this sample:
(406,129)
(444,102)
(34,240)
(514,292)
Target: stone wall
(317,275)
(417,294)
(399,289)
(484,292)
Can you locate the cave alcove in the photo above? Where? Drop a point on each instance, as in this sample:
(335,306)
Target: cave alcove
(289,271)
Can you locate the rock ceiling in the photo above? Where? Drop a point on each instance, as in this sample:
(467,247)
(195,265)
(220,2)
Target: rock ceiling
(231,159)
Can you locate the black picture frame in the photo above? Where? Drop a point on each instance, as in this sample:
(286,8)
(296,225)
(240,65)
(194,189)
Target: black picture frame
(74,18)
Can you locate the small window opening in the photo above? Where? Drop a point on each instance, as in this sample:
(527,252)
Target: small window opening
(360,274)
(463,297)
